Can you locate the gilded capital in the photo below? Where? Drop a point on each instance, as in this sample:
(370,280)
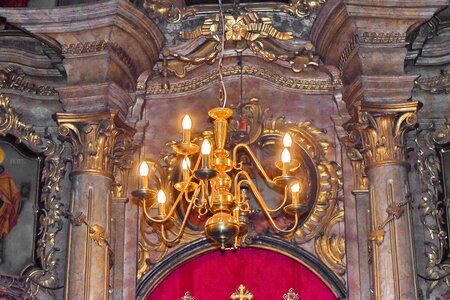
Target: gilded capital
(98,139)
(379,132)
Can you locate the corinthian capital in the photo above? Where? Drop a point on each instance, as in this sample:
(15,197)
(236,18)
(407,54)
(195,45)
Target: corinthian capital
(98,139)
(380,128)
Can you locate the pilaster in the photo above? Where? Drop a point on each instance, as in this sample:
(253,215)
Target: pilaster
(379,136)
(98,141)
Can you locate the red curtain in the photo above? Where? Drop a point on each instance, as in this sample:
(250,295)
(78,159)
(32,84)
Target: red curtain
(13,3)
(267,275)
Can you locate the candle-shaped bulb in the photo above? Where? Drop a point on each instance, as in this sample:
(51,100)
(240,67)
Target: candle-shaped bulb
(295,188)
(143,169)
(206,147)
(187,123)
(285,156)
(161,197)
(186,164)
(287,140)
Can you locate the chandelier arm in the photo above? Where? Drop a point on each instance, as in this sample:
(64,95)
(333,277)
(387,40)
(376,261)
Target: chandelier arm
(237,183)
(183,225)
(254,159)
(172,209)
(264,207)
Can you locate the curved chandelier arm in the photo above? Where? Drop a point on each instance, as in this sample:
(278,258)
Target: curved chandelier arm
(183,225)
(254,159)
(171,212)
(263,205)
(247,178)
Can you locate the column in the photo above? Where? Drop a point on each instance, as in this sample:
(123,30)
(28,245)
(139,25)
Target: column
(381,129)
(97,140)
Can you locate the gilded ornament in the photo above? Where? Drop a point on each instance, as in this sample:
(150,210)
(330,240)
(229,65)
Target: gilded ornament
(431,208)
(330,246)
(167,10)
(45,277)
(15,79)
(242,293)
(291,295)
(302,8)
(247,31)
(187,296)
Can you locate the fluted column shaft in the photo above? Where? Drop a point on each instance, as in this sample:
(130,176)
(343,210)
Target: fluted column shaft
(379,135)
(95,138)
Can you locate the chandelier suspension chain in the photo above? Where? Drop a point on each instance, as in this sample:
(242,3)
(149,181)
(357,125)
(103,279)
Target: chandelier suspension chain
(222,50)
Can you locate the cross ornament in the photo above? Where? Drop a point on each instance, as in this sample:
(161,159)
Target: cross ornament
(291,295)
(187,296)
(242,294)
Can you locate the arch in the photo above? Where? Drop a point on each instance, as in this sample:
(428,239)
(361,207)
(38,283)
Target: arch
(201,246)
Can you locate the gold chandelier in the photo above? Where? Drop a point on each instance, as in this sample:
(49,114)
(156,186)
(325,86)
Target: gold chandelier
(218,185)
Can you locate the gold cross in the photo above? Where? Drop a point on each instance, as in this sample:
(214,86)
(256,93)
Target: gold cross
(242,294)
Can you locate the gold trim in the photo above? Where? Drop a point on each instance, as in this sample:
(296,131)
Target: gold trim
(50,216)
(312,85)
(387,163)
(91,171)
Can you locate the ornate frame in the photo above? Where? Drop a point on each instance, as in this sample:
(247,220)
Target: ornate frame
(44,274)
(432,205)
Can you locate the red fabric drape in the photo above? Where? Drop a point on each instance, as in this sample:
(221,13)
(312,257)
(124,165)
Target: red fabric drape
(13,3)
(268,275)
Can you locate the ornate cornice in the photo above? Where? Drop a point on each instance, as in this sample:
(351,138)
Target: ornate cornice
(98,139)
(298,84)
(97,46)
(382,38)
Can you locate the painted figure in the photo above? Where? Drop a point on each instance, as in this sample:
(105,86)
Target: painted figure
(9,204)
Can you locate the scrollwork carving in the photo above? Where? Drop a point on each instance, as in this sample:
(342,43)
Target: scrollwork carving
(50,213)
(302,8)
(432,207)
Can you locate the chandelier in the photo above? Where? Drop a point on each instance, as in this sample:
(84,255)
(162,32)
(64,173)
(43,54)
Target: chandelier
(218,186)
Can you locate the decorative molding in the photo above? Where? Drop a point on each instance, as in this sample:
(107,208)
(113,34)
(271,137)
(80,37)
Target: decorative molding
(98,139)
(435,85)
(291,295)
(44,276)
(98,46)
(330,245)
(431,207)
(302,8)
(345,55)
(15,79)
(168,10)
(298,84)
(382,38)
(241,293)
(380,130)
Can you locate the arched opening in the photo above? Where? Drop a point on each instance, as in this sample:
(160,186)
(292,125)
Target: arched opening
(268,268)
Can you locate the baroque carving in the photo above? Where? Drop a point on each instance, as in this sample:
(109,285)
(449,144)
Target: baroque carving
(380,131)
(302,8)
(382,38)
(249,31)
(435,85)
(298,84)
(97,138)
(330,245)
(97,46)
(187,296)
(50,212)
(432,207)
(167,10)
(15,79)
